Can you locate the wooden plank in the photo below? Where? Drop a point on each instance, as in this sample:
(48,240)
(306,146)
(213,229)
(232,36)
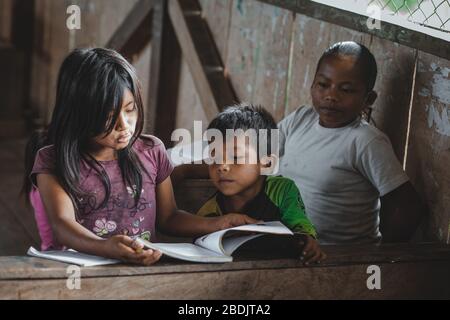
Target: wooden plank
(18,228)
(40,71)
(275,30)
(428,153)
(191,194)
(217,14)
(56,50)
(164,76)
(22,39)
(358,22)
(394,87)
(12,83)
(406,281)
(189,107)
(243,47)
(14,238)
(99,19)
(202,56)
(6,14)
(141,63)
(135,31)
(407,271)
(23,267)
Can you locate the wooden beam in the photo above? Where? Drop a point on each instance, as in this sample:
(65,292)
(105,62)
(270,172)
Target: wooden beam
(408,271)
(164,76)
(200,51)
(389,31)
(135,31)
(6,19)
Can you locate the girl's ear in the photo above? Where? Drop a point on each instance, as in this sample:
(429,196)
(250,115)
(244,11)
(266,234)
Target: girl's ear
(269,165)
(371,97)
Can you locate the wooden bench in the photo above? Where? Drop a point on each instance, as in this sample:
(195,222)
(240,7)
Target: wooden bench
(191,194)
(407,272)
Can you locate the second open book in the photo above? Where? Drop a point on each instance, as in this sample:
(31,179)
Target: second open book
(218,246)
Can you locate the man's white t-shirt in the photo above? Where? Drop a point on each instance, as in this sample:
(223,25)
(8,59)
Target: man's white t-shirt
(341,174)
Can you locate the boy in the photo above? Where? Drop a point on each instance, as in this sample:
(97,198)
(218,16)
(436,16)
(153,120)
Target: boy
(242,188)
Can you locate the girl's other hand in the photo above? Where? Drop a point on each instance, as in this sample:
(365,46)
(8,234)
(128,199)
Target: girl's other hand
(311,252)
(126,249)
(232,220)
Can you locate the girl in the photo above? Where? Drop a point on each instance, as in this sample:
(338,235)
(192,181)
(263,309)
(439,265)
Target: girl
(345,167)
(97,182)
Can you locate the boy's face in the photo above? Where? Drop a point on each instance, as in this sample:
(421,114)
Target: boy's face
(338,92)
(237,173)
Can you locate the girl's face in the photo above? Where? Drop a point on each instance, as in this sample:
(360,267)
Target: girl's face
(338,92)
(123,130)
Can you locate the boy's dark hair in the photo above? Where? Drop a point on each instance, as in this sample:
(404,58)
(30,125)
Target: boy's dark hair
(89,96)
(363,56)
(245,116)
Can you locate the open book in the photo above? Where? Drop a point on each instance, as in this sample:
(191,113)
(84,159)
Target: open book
(218,246)
(72,257)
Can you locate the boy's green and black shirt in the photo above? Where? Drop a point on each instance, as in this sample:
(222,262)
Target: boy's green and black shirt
(279,200)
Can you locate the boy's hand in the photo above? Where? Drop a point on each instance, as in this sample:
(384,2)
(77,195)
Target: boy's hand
(126,249)
(233,220)
(311,252)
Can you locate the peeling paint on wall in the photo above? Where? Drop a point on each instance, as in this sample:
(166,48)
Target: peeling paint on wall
(441,87)
(440,120)
(239,7)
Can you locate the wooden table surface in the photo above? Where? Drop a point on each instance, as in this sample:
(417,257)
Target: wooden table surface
(407,271)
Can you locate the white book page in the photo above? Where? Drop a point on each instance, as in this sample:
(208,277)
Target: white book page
(273,227)
(214,242)
(72,257)
(187,251)
(232,243)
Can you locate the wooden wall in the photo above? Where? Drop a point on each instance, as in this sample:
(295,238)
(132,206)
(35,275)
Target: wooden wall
(6,8)
(53,41)
(428,158)
(271,54)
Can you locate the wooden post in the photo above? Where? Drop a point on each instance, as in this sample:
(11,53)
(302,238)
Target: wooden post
(135,32)
(202,56)
(6,8)
(164,76)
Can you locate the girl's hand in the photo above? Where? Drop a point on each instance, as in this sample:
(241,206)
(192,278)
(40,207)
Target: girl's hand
(311,252)
(126,249)
(232,220)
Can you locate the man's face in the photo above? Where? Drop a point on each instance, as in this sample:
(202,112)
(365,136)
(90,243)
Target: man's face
(339,93)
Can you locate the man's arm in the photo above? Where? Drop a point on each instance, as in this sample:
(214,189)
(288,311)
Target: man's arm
(401,213)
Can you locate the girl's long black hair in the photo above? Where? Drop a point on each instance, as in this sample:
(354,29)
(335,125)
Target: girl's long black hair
(90,90)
